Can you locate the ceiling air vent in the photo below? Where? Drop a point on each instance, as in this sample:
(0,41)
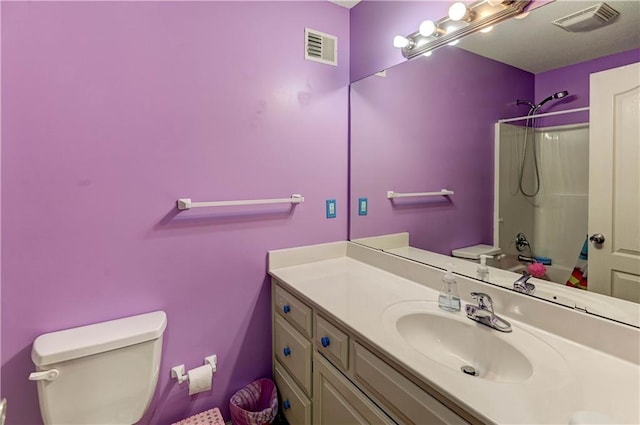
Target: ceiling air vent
(587,19)
(320,47)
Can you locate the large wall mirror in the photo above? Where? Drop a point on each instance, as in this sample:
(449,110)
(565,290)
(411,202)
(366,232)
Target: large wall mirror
(504,121)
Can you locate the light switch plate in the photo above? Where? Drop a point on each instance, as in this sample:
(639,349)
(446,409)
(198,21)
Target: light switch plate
(363,206)
(331,208)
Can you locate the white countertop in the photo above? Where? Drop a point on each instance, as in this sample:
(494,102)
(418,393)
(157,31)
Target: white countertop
(578,378)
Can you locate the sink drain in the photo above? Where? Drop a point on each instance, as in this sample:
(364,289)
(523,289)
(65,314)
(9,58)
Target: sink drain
(469,370)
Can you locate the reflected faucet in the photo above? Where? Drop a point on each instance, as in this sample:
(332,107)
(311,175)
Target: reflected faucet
(522,243)
(521,285)
(483,313)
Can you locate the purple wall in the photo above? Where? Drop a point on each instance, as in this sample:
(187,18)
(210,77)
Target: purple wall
(424,127)
(374,23)
(575,79)
(112,111)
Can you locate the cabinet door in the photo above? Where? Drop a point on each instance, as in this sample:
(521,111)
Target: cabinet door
(404,399)
(294,403)
(337,401)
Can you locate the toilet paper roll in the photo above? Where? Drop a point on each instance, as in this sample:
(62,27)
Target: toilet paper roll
(200,379)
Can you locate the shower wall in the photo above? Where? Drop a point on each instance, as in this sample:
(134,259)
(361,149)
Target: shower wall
(554,221)
(515,211)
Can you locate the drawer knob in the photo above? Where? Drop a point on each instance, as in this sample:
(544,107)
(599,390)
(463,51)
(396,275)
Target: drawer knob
(286,308)
(286,405)
(325,341)
(287,351)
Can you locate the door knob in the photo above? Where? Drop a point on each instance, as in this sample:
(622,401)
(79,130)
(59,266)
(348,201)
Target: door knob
(597,238)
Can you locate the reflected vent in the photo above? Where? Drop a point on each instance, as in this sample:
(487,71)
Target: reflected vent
(320,47)
(588,19)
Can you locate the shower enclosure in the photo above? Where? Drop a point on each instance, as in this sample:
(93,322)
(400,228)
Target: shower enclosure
(547,199)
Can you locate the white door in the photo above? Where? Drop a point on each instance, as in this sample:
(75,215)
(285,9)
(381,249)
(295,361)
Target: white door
(614,182)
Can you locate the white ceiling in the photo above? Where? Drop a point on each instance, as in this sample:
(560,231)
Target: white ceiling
(536,45)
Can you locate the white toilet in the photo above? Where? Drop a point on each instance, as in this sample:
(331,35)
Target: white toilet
(104,373)
(474,252)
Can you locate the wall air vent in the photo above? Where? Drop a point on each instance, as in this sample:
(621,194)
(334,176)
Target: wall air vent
(320,47)
(588,19)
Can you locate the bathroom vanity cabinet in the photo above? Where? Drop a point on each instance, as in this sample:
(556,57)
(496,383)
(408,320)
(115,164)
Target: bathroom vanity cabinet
(358,338)
(326,374)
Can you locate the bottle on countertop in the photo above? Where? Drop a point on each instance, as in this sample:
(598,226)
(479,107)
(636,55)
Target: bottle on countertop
(449,298)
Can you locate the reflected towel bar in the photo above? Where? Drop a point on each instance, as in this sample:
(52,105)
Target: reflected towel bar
(185,203)
(444,192)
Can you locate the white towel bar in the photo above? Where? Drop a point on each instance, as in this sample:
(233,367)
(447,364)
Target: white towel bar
(186,203)
(444,192)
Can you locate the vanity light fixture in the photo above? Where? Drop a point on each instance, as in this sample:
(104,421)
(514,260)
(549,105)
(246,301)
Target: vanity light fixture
(470,18)
(428,28)
(460,12)
(400,42)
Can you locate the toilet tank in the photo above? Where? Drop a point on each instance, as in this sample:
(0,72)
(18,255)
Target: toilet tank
(106,372)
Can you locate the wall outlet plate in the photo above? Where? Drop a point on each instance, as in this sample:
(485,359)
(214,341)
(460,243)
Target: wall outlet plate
(363,206)
(331,208)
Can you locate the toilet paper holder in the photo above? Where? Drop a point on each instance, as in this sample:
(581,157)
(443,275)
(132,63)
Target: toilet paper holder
(179,372)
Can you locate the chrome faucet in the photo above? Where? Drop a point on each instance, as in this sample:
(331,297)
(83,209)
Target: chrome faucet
(521,285)
(522,242)
(483,313)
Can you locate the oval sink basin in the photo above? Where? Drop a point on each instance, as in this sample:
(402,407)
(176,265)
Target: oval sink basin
(456,344)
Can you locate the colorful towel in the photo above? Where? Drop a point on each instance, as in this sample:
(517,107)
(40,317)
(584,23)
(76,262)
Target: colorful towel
(578,278)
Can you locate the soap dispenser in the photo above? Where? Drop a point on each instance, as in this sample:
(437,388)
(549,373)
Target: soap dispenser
(449,298)
(483,270)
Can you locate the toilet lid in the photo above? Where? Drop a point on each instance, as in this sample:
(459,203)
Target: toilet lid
(474,252)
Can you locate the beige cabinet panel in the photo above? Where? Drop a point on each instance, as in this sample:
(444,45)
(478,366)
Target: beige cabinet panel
(410,403)
(295,311)
(338,402)
(293,351)
(332,342)
(294,404)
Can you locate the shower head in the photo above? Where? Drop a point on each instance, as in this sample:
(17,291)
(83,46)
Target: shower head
(558,95)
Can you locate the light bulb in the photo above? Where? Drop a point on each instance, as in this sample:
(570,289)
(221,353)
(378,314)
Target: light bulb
(487,29)
(427,54)
(458,11)
(453,43)
(400,41)
(522,15)
(427,28)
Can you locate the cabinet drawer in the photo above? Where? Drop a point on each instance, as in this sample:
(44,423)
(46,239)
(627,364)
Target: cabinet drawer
(332,342)
(295,311)
(407,401)
(294,404)
(293,351)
